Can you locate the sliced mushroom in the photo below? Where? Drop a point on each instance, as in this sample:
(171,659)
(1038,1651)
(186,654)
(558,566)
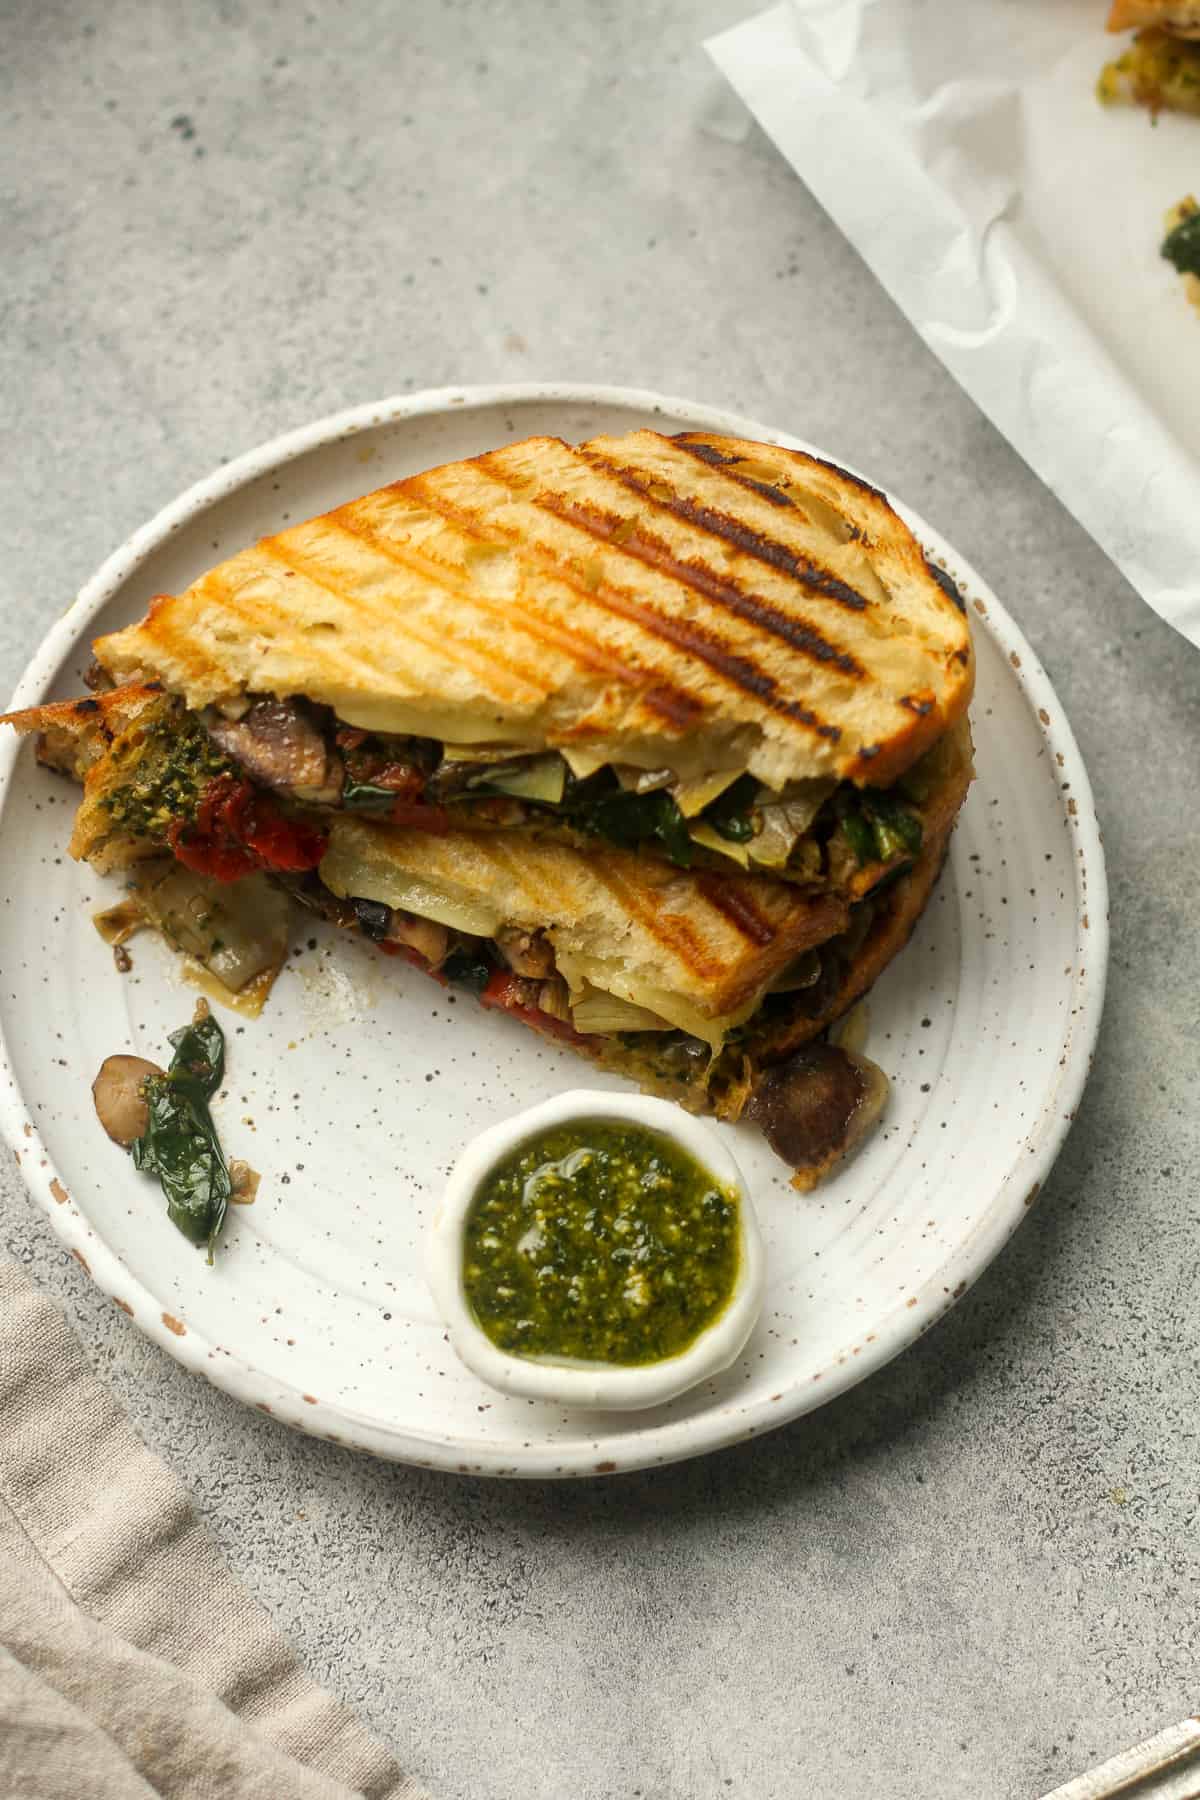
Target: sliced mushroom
(278,744)
(117,1092)
(526,952)
(816,1106)
(430,940)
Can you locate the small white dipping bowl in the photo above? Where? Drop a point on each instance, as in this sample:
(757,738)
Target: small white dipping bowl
(598,1386)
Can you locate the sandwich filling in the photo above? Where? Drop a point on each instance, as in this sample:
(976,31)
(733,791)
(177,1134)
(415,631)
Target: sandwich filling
(580,904)
(192,775)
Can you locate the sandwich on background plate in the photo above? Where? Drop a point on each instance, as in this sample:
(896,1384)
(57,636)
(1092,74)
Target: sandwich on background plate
(1161,68)
(656,743)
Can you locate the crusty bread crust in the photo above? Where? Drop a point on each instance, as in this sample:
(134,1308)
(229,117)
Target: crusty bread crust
(74,734)
(699,603)
(1179,17)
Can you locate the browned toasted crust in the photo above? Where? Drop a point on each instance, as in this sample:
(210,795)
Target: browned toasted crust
(73,734)
(700,602)
(888,935)
(1181,18)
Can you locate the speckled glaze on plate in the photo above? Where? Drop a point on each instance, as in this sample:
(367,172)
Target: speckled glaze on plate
(356,1089)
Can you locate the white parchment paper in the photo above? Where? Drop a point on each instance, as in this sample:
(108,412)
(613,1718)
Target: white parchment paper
(1017,222)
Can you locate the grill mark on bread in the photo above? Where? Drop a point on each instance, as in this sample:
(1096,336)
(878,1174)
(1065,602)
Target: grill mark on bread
(739,909)
(736,667)
(948,586)
(721,459)
(653,687)
(810,574)
(484,661)
(909,639)
(571,641)
(727,594)
(672,930)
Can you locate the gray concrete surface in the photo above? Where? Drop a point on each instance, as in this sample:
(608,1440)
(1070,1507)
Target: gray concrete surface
(977,1573)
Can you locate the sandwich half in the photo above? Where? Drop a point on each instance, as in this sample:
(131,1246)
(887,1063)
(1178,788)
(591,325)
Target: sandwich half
(654,742)
(1161,68)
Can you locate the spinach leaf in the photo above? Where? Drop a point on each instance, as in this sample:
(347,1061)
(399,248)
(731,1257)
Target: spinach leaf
(200,1054)
(1182,245)
(629,819)
(856,826)
(180,1143)
(731,815)
(897,831)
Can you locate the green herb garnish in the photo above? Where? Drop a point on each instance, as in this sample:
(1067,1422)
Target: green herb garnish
(1181,246)
(180,1144)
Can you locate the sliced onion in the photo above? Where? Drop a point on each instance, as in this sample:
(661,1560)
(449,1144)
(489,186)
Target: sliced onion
(117,924)
(236,930)
(598,1011)
(540,778)
(482,753)
(785,820)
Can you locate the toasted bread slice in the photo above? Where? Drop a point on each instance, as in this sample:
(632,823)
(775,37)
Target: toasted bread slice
(74,734)
(696,603)
(1179,17)
(698,950)
(614,929)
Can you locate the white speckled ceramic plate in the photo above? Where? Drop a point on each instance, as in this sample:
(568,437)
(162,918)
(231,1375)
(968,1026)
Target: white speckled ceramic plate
(356,1088)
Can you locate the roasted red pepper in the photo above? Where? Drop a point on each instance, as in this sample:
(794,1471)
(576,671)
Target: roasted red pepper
(237,829)
(507,991)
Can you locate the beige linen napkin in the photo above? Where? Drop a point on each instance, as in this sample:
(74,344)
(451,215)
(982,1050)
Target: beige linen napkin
(132,1664)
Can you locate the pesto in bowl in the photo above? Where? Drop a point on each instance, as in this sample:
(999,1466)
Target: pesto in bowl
(597,1251)
(605,1241)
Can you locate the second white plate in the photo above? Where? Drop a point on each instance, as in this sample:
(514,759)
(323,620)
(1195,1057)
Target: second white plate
(354,1091)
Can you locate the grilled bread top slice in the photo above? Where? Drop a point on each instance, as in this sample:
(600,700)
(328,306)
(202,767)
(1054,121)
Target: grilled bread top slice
(698,949)
(1179,17)
(696,603)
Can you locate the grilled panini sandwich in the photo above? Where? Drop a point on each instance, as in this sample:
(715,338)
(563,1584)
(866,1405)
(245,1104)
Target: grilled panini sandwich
(656,742)
(1161,68)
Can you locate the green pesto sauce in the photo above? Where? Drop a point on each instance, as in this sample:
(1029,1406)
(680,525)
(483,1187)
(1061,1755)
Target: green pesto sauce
(174,765)
(602,1241)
